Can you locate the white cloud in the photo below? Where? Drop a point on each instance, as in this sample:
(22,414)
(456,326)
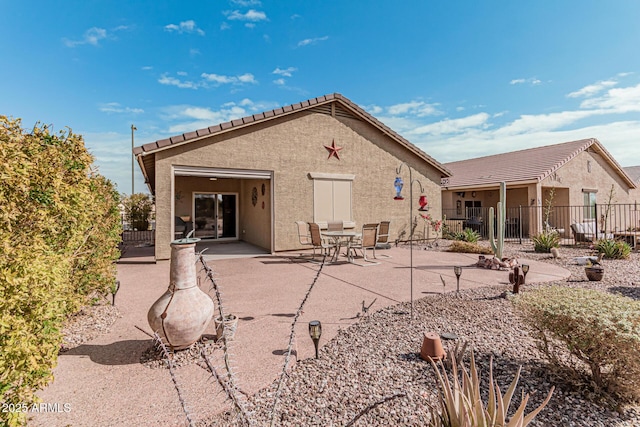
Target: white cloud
(531,80)
(287,72)
(219,79)
(181,73)
(147,67)
(224,26)
(454,125)
(619,100)
(92,36)
(592,89)
(279,82)
(374,109)
(307,42)
(172,81)
(184,27)
(251,15)
(246,3)
(114,107)
(194,52)
(417,108)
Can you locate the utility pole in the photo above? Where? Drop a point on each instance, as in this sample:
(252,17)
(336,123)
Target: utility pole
(133,128)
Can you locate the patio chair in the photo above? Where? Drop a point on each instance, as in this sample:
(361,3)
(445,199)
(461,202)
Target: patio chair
(368,241)
(303,233)
(318,242)
(383,237)
(335,226)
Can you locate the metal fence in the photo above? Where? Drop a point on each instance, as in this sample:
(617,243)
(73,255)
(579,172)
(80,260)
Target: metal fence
(619,221)
(132,238)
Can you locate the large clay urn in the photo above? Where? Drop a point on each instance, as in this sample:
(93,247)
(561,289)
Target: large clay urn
(181,315)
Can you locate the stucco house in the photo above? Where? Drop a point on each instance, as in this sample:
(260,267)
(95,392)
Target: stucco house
(252,178)
(578,174)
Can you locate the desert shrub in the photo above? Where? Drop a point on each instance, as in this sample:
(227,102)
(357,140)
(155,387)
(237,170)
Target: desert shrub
(469,235)
(59,230)
(546,240)
(137,210)
(613,249)
(460,400)
(600,330)
(469,248)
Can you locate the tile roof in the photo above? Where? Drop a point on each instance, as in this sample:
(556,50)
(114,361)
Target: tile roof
(634,173)
(145,153)
(530,165)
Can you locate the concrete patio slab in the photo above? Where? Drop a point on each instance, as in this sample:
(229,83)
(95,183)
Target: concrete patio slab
(106,384)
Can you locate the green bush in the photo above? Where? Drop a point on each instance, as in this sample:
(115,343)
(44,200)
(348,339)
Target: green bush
(469,248)
(546,240)
(59,230)
(600,330)
(469,235)
(137,210)
(613,249)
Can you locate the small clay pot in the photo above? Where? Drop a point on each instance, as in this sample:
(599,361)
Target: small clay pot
(595,273)
(432,347)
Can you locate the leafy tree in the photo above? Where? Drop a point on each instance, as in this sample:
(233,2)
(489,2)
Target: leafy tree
(138,209)
(59,231)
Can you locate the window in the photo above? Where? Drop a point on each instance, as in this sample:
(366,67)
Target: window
(589,203)
(331,197)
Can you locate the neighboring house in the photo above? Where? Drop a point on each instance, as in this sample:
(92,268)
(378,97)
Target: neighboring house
(579,173)
(634,173)
(250,179)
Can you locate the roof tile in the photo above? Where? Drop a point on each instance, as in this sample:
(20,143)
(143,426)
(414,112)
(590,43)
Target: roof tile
(225,125)
(191,135)
(163,143)
(176,139)
(216,128)
(203,132)
(236,122)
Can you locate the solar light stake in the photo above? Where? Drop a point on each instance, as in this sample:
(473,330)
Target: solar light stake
(525,270)
(315,331)
(458,271)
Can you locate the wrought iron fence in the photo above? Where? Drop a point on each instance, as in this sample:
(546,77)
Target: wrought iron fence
(575,224)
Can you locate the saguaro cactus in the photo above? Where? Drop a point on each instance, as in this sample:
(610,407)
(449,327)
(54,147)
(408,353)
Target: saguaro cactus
(497,242)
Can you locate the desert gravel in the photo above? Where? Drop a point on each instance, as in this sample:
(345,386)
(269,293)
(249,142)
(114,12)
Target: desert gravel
(375,362)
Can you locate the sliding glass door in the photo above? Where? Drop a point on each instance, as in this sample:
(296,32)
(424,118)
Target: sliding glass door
(215,216)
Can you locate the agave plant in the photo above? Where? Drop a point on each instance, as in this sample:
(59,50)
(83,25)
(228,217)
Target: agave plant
(461,404)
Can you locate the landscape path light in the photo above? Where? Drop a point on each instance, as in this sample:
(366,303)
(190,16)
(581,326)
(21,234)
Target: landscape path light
(458,272)
(315,331)
(525,270)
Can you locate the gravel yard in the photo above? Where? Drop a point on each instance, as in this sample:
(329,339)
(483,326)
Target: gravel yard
(378,359)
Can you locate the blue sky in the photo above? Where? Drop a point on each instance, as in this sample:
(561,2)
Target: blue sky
(460,79)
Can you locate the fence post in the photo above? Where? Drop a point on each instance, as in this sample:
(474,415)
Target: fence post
(595,208)
(520,223)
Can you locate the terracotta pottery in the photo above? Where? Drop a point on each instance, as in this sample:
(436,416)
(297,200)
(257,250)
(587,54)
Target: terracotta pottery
(432,347)
(182,313)
(595,273)
(228,327)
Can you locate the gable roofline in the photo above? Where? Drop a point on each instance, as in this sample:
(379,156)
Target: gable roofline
(175,141)
(532,174)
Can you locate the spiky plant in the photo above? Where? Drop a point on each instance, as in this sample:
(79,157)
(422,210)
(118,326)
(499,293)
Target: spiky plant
(461,404)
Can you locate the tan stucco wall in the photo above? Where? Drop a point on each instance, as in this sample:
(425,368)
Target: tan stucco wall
(575,175)
(292,147)
(255,221)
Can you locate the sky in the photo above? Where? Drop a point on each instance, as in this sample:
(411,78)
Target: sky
(460,79)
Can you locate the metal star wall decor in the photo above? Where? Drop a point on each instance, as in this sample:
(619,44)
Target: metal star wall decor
(333,150)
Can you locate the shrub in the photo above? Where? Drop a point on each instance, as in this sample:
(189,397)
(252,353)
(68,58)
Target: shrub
(613,249)
(546,240)
(598,329)
(461,401)
(469,235)
(59,230)
(137,210)
(469,248)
